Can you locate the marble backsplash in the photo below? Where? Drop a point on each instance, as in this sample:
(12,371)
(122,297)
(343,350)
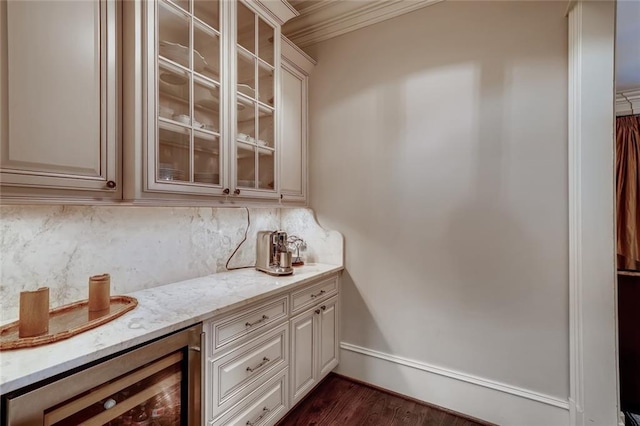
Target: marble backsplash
(141,247)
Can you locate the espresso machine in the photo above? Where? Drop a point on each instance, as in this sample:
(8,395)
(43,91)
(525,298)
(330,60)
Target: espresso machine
(272,254)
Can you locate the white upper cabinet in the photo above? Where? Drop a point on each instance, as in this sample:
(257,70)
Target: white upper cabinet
(256,63)
(184,102)
(205,76)
(296,67)
(160,101)
(59,127)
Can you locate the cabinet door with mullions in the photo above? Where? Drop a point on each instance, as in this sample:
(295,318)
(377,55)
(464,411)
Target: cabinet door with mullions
(256,131)
(59,132)
(184,132)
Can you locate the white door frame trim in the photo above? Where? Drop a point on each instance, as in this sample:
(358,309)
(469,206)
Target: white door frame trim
(593,366)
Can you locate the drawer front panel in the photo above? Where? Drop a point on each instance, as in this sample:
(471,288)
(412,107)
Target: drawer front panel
(237,373)
(265,406)
(305,298)
(247,322)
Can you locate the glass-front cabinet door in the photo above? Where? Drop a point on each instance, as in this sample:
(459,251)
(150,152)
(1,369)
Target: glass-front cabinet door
(186,139)
(212,68)
(255,113)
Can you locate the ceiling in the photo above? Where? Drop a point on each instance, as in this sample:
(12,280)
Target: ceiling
(628,45)
(324,19)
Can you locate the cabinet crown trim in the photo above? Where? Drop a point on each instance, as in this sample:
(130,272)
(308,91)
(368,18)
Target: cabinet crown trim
(327,19)
(280,10)
(296,56)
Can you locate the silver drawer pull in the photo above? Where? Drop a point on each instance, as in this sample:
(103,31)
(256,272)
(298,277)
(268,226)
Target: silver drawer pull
(265,411)
(263,362)
(251,324)
(313,296)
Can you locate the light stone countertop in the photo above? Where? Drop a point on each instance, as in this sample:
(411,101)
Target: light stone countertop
(160,311)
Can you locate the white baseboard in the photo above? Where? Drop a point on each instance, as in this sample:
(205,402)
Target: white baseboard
(475,396)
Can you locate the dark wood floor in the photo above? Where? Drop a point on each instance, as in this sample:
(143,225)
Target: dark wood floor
(342,402)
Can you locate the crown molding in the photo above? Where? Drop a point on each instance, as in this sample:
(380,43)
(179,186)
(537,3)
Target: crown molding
(330,18)
(296,57)
(280,10)
(628,102)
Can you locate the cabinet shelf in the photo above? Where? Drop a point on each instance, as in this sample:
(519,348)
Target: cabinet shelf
(248,146)
(196,148)
(249,99)
(263,109)
(209,148)
(200,105)
(242,51)
(175,126)
(168,64)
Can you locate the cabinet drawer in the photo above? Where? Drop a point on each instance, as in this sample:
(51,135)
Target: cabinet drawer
(246,322)
(265,406)
(238,372)
(305,298)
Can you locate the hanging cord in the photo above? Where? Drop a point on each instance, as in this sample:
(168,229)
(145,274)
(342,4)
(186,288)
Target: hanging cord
(246,231)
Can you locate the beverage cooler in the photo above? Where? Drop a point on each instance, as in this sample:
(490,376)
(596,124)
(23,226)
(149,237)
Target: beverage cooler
(152,385)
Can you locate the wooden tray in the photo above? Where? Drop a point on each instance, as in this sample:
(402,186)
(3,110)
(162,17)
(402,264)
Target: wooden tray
(66,321)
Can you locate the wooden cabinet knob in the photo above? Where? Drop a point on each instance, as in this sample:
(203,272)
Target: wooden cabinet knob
(237,191)
(111,184)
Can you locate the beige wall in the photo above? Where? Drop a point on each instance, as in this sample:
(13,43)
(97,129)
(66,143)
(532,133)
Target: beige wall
(439,150)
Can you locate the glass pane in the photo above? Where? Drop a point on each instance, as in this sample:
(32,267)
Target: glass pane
(207,107)
(206,159)
(265,40)
(265,84)
(206,56)
(246,28)
(246,75)
(265,129)
(173,154)
(173,94)
(173,31)
(183,4)
(208,11)
(265,169)
(246,165)
(246,122)
(155,399)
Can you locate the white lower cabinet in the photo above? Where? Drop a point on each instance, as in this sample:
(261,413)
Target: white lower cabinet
(314,347)
(265,406)
(238,372)
(261,359)
(328,344)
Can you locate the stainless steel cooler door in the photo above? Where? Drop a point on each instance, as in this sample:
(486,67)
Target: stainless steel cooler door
(159,382)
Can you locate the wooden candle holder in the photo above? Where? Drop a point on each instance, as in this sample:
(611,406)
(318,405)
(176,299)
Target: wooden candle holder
(99,292)
(34,313)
